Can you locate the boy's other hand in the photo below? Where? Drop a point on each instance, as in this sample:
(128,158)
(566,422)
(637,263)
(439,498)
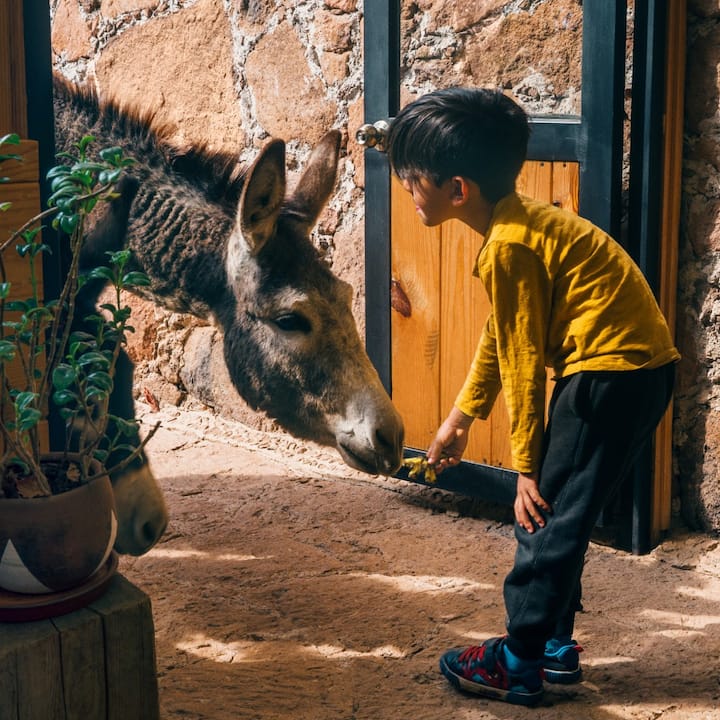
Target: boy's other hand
(528,503)
(450,441)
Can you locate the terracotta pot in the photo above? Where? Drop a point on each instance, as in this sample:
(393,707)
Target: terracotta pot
(51,544)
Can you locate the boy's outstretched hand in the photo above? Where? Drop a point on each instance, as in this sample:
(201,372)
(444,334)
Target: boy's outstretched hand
(447,450)
(450,441)
(528,503)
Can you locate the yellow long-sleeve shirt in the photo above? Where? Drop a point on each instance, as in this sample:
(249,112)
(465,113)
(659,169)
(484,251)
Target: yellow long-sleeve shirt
(564,295)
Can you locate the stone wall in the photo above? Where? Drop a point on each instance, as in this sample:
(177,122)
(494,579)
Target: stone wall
(232,73)
(229,74)
(697,400)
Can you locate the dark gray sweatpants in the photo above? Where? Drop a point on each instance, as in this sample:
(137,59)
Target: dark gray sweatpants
(598,424)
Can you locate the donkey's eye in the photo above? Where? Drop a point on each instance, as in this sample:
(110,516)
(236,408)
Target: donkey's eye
(293,322)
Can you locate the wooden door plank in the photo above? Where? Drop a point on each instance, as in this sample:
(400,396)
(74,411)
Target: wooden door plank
(23,192)
(565,193)
(25,170)
(415,323)
(535,180)
(439,311)
(464,308)
(490,439)
(669,232)
(13,103)
(25,199)
(565,185)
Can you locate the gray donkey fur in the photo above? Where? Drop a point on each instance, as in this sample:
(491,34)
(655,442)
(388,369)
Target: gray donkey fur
(230,245)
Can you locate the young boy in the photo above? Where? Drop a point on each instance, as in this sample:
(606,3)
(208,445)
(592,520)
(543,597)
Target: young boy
(563,295)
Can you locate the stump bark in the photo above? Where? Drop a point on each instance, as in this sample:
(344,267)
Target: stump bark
(97,663)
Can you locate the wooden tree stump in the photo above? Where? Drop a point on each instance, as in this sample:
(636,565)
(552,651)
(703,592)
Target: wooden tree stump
(97,663)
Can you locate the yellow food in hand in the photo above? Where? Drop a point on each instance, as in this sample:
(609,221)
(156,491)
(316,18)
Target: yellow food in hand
(420,466)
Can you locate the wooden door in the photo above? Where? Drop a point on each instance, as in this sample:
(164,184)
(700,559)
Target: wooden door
(21,187)
(13,101)
(592,142)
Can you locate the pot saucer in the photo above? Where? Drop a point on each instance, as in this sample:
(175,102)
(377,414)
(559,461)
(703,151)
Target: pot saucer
(16,607)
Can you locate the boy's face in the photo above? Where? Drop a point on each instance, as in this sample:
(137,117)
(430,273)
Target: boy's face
(433,204)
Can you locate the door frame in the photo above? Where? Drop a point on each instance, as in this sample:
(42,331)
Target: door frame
(595,140)
(41,128)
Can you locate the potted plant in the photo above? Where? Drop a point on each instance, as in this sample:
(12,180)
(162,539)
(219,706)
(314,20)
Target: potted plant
(57,521)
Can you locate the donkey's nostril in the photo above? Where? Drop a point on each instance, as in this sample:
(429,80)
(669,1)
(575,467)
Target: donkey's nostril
(383,441)
(389,438)
(389,447)
(151,531)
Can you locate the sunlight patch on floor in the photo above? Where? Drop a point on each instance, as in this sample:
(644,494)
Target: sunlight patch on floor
(170,554)
(338,653)
(658,710)
(682,620)
(680,634)
(206,648)
(605,661)
(426,583)
(710,593)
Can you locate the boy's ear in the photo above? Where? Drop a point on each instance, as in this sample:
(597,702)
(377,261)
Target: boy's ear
(460,190)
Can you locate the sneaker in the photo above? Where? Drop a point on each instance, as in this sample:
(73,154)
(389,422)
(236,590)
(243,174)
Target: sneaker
(562,662)
(482,670)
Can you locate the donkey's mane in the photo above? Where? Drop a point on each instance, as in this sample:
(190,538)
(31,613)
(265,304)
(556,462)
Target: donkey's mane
(217,173)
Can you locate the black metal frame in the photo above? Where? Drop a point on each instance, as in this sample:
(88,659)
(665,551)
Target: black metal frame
(381,100)
(644,213)
(594,140)
(41,127)
(38,73)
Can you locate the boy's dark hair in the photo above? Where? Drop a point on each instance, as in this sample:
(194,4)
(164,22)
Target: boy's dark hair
(477,133)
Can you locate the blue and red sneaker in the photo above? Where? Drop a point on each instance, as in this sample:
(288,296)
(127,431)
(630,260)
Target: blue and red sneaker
(482,670)
(562,662)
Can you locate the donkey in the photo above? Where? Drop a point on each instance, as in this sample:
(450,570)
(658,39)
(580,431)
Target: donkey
(228,244)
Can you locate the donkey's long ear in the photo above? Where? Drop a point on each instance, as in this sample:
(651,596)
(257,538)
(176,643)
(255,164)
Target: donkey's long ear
(263,195)
(318,180)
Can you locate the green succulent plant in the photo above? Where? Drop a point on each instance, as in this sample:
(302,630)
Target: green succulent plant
(60,366)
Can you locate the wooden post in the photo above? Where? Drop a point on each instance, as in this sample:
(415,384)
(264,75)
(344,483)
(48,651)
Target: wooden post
(22,190)
(669,250)
(97,663)
(13,102)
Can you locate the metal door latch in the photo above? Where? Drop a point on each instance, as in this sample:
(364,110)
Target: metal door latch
(373,135)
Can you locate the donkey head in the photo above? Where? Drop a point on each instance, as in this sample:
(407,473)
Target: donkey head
(291,342)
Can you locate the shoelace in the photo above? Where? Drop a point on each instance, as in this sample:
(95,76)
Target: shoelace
(473,655)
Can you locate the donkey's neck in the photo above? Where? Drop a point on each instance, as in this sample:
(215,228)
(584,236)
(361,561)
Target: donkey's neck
(179,242)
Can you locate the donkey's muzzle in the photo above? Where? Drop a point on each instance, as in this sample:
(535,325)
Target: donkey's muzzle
(141,510)
(375,444)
